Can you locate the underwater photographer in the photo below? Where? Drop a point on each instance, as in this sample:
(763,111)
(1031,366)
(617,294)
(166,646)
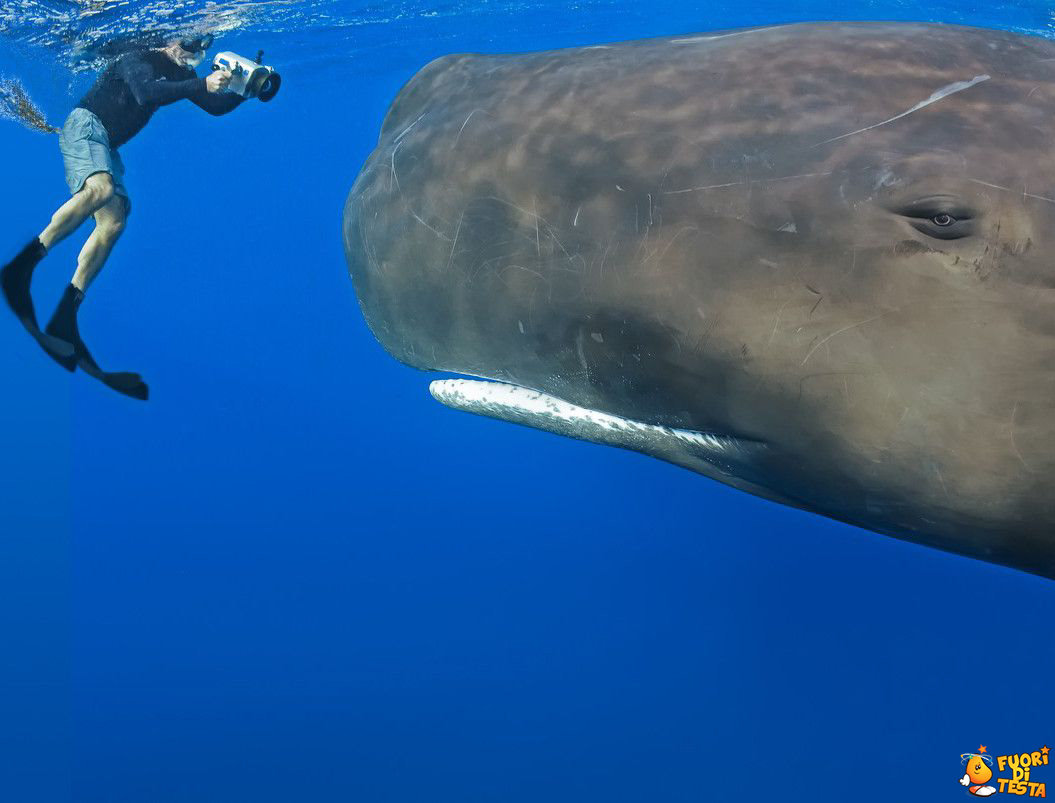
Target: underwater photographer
(115,109)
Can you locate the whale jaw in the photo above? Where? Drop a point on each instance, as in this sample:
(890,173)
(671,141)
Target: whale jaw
(722,457)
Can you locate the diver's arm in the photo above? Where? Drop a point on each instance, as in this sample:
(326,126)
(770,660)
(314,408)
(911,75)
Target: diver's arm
(216,103)
(147,88)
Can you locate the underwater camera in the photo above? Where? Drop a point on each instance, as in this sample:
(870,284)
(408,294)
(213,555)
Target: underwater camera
(250,79)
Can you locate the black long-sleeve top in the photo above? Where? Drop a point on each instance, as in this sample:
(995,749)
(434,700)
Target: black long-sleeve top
(132,88)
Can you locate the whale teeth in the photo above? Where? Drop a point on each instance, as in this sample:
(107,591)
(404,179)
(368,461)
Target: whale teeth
(700,451)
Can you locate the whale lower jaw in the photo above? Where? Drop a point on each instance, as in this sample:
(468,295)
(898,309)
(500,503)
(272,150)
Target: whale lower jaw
(722,457)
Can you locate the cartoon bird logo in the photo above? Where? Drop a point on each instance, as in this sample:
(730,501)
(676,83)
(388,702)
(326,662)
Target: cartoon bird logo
(979,772)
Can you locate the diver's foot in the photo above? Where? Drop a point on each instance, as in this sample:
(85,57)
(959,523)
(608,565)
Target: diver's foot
(63,328)
(15,279)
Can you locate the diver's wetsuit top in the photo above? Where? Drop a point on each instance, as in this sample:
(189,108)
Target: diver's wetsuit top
(132,88)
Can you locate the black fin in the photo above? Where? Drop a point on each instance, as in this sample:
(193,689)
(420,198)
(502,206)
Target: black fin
(16,278)
(124,382)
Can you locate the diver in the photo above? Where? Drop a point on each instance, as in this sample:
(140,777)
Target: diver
(115,109)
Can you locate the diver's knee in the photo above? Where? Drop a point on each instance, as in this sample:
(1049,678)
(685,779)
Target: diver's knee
(98,189)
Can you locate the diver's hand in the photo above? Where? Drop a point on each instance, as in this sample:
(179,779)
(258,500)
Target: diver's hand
(218,80)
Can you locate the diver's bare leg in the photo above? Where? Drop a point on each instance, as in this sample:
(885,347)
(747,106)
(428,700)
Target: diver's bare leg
(109,223)
(17,275)
(97,192)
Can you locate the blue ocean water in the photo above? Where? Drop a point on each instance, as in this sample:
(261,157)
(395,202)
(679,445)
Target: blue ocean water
(292,576)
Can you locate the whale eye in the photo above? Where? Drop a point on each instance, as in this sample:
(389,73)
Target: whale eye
(940,217)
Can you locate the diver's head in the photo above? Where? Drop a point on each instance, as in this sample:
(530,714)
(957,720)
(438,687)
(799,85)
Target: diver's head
(189,52)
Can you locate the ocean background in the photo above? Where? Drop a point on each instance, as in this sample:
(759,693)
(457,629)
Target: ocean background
(292,576)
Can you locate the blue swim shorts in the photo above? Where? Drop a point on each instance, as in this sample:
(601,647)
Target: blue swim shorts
(86,150)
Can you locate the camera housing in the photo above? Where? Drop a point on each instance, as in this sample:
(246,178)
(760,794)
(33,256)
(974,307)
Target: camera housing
(249,78)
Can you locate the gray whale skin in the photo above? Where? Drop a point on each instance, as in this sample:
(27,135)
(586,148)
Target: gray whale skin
(814,262)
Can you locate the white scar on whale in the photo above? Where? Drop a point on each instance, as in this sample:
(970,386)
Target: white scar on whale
(944,92)
(520,405)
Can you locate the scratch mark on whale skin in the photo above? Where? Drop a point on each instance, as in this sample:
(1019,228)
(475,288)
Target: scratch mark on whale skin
(944,92)
(460,130)
(776,322)
(712,37)
(941,479)
(669,244)
(1008,189)
(1014,446)
(838,332)
(439,234)
(394,177)
(454,244)
(406,130)
(742,183)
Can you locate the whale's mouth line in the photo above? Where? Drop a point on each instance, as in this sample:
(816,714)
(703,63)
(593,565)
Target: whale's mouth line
(706,452)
